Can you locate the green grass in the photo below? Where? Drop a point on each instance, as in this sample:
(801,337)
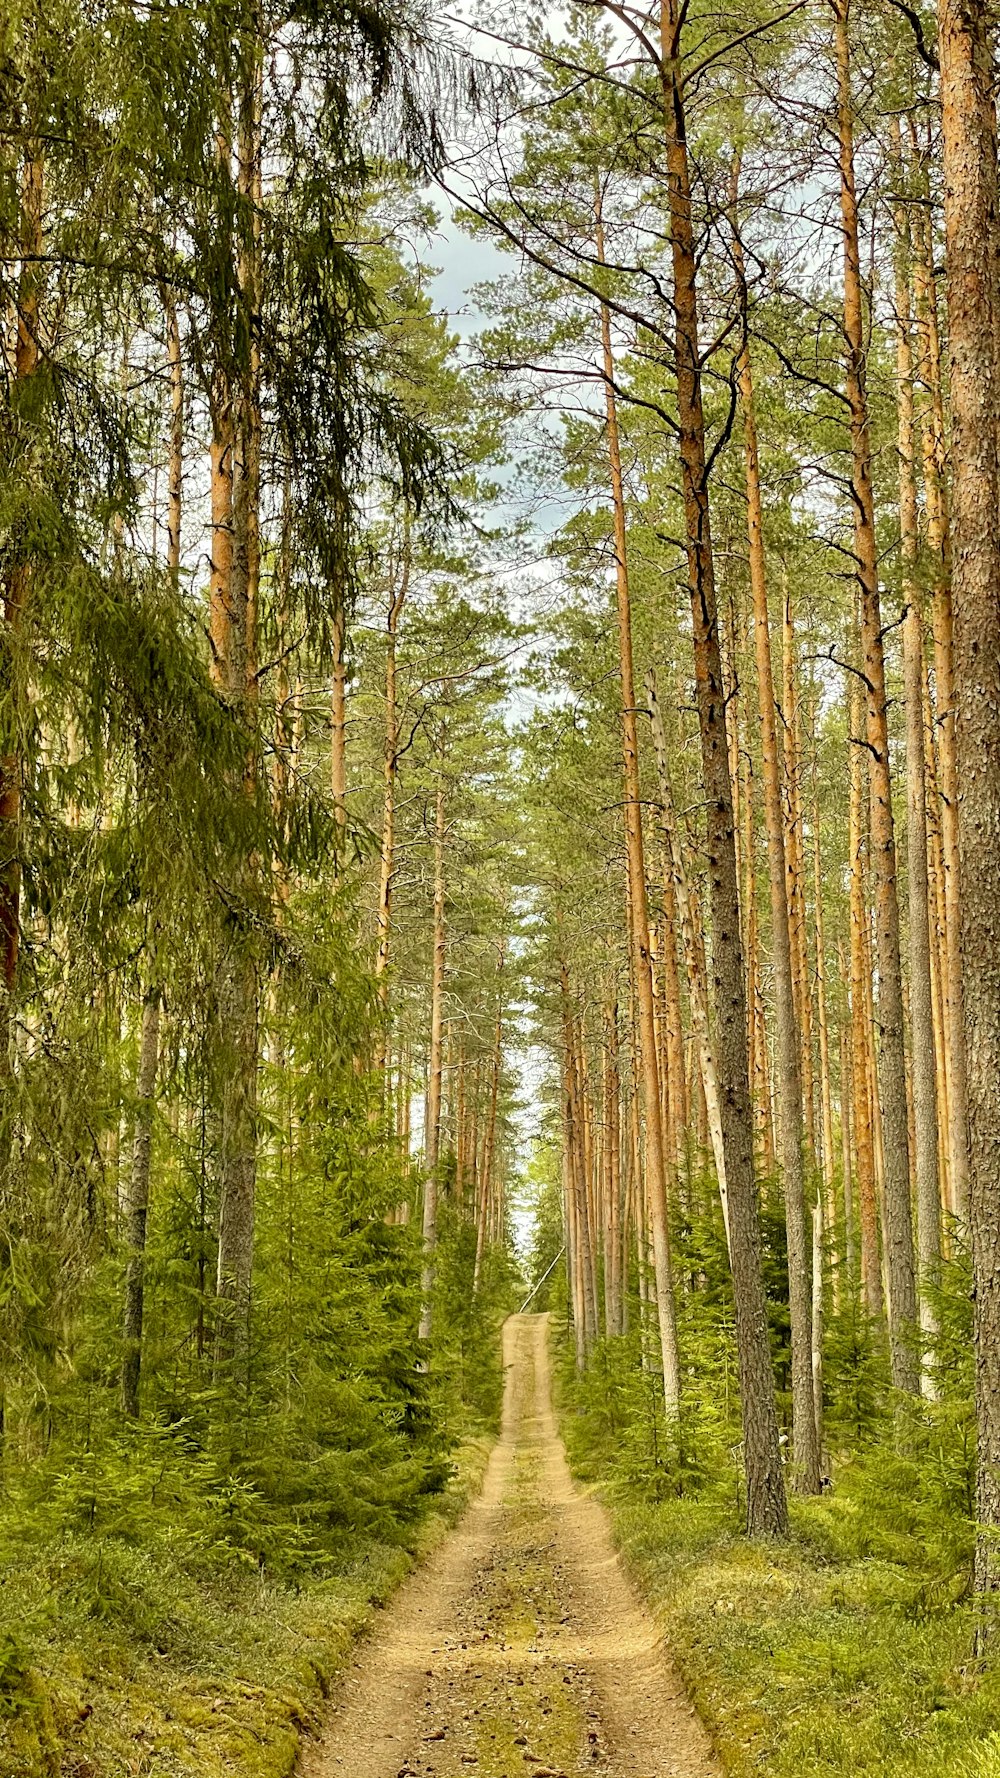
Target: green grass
(846,1651)
(119,1657)
(806,1665)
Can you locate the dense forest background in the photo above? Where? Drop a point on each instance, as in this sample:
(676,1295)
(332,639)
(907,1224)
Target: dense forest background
(497,810)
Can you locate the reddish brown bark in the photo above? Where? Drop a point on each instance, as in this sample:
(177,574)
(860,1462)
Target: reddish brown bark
(972,233)
(766,1505)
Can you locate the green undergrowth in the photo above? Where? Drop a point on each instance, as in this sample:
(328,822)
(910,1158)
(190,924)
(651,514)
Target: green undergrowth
(145,1646)
(178,1590)
(849,1650)
(803,1662)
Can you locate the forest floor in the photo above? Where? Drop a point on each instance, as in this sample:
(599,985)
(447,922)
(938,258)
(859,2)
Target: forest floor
(125,1655)
(520,1650)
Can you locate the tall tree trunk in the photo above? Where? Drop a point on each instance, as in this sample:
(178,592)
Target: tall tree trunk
(678,1113)
(390,771)
(461,1128)
(175,459)
(795,877)
(138,1205)
(767,1512)
(934,452)
(939,960)
(847,1177)
(663,1060)
(434,1070)
(826,1193)
(923,1063)
(822,1022)
(656,1171)
(613,1258)
(588,1178)
(13,668)
(572,1241)
(338,717)
(760,1089)
(578,1177)
(491,1131)
(817,1316)
(804,1419)
(641,1214)
(232,624)
(138,1201)
(757,1060)
(972,232)
(891,1057)
(693,947)
(473,1138)
(238,1023)
(864,1143)
(762,1063)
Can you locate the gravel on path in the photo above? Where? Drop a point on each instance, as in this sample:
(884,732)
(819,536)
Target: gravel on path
(520,1649)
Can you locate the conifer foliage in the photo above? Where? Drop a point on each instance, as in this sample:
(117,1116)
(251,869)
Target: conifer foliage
(600,709)
(230,434)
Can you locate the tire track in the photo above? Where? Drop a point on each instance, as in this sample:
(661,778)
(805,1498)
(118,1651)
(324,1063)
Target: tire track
(520,1649)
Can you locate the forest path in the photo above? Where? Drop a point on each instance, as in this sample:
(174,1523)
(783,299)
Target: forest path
(520,1649)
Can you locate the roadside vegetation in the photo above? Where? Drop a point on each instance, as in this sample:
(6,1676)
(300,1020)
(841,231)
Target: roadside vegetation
(849,1648)
(172,1607)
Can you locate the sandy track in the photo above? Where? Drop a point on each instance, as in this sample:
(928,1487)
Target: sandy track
(520,1650)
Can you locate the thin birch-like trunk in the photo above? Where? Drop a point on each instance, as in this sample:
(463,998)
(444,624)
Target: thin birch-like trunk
(864,1146)
(935,478)
(891,1059)
(16,595)
(693,947)
(923,1070)
(656,1171)
(804,1414)
(432,1135)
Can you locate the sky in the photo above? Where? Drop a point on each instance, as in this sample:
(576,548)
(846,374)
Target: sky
(463,263)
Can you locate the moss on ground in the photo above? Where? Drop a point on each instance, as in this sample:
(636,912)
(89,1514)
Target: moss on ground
(228,1673)
(805,1665)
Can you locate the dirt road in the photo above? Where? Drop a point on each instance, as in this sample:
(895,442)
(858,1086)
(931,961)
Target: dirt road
(520,1650)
